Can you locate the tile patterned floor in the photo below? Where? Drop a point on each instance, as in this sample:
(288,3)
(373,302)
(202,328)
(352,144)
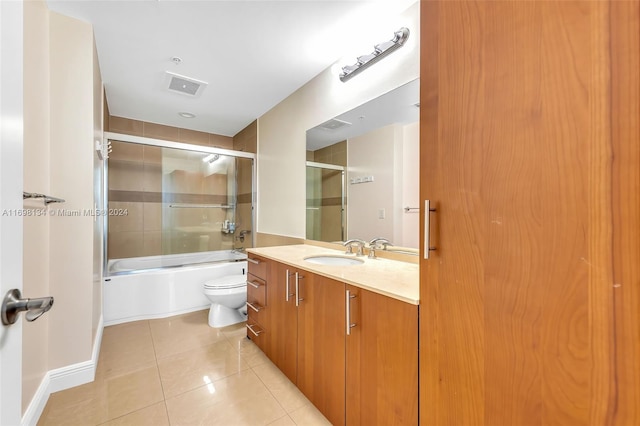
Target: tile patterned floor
(180,371)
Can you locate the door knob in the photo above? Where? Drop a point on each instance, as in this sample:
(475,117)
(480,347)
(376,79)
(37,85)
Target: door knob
(12,305)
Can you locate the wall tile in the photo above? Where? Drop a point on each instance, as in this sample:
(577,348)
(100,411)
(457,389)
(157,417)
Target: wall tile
(152,217)
(220,141)
(152,177)
(193,137)
(159,131)
(152,243)
(125,244)
(125,125)
(247,139)
(126,175)
(152,154)
(123,151)
(132,221)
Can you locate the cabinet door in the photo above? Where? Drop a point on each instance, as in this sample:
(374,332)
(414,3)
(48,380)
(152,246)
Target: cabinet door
(321,344)
(382,360)
(529,146)
(283,316)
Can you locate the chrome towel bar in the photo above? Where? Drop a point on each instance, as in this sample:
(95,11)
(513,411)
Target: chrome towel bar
(47,198)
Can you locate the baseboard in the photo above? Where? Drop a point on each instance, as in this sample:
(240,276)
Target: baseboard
(63,378)
(38,402)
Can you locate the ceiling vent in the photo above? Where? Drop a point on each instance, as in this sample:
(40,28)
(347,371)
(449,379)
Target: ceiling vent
(334,124)
(185,85)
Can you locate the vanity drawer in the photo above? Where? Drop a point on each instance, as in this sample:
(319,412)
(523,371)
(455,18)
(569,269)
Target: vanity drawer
(256,313)
(256,290)
(257,266)
(256,333)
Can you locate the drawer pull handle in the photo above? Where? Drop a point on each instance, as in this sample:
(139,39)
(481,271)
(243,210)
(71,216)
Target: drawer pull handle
(255,333)
(350,325)
(253,284)
(254,261)
(257,308)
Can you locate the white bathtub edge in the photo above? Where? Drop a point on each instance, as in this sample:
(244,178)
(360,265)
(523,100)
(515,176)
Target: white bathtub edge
(155,316)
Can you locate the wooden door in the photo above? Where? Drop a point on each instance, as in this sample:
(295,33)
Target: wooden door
(283,320)
(529,153)
(321,344)
(382,360)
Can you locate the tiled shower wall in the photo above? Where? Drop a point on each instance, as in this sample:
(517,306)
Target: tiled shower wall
(136,183)
(330,205)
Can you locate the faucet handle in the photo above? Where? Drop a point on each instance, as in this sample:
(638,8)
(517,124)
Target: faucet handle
(379,241)
(357,242)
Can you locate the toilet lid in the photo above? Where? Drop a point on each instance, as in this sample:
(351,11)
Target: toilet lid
(228,281)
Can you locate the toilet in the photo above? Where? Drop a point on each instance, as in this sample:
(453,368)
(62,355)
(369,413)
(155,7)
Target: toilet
(228,296)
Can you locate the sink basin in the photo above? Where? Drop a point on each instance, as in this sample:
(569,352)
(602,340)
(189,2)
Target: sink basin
(327,259)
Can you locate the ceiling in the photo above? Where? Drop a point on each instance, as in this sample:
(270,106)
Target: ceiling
(399,106)
(252,54)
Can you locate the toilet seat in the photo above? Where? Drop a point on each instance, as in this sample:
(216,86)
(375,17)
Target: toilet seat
(227,282)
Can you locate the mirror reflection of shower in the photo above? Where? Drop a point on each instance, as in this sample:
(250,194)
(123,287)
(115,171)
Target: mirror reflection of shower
(326,202)
(177,201)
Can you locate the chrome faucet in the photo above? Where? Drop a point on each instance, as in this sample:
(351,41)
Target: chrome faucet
(377,244)
(354,242)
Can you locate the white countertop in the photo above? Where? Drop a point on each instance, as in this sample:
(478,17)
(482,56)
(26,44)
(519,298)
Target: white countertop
(399,280)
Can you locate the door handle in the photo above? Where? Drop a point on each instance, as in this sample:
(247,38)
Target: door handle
(286,286)
(298,298)
(12,305)
(427,228)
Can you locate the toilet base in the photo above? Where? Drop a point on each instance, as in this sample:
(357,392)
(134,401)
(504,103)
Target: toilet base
(221,316)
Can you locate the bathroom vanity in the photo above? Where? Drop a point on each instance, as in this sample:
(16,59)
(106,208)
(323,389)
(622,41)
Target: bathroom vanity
(343,329)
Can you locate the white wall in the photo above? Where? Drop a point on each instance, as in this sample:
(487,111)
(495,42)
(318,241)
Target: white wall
(63,116)
(281,131)
(369,198)
(410,186)
(395,167)
(35,351)
(71,178)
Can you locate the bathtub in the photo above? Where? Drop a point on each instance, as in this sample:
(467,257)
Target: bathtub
(161,286)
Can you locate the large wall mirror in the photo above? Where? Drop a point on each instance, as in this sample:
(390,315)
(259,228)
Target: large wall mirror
(363,172)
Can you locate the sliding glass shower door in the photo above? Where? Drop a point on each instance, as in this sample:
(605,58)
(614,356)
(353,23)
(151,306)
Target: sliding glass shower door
(177,201)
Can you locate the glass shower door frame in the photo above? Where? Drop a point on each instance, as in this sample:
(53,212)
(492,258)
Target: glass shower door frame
(119,137)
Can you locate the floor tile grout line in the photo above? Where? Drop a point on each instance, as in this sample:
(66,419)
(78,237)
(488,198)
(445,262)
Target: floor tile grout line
(131,412)
(155,355)
(269,390)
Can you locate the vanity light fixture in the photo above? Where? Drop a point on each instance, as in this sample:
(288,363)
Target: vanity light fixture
(380,51)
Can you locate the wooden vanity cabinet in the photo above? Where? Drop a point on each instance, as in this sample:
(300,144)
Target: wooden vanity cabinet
(381,360)
(366,375)
(257,312)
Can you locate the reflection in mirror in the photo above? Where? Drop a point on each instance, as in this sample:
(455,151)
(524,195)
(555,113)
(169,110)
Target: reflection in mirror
(363,172)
